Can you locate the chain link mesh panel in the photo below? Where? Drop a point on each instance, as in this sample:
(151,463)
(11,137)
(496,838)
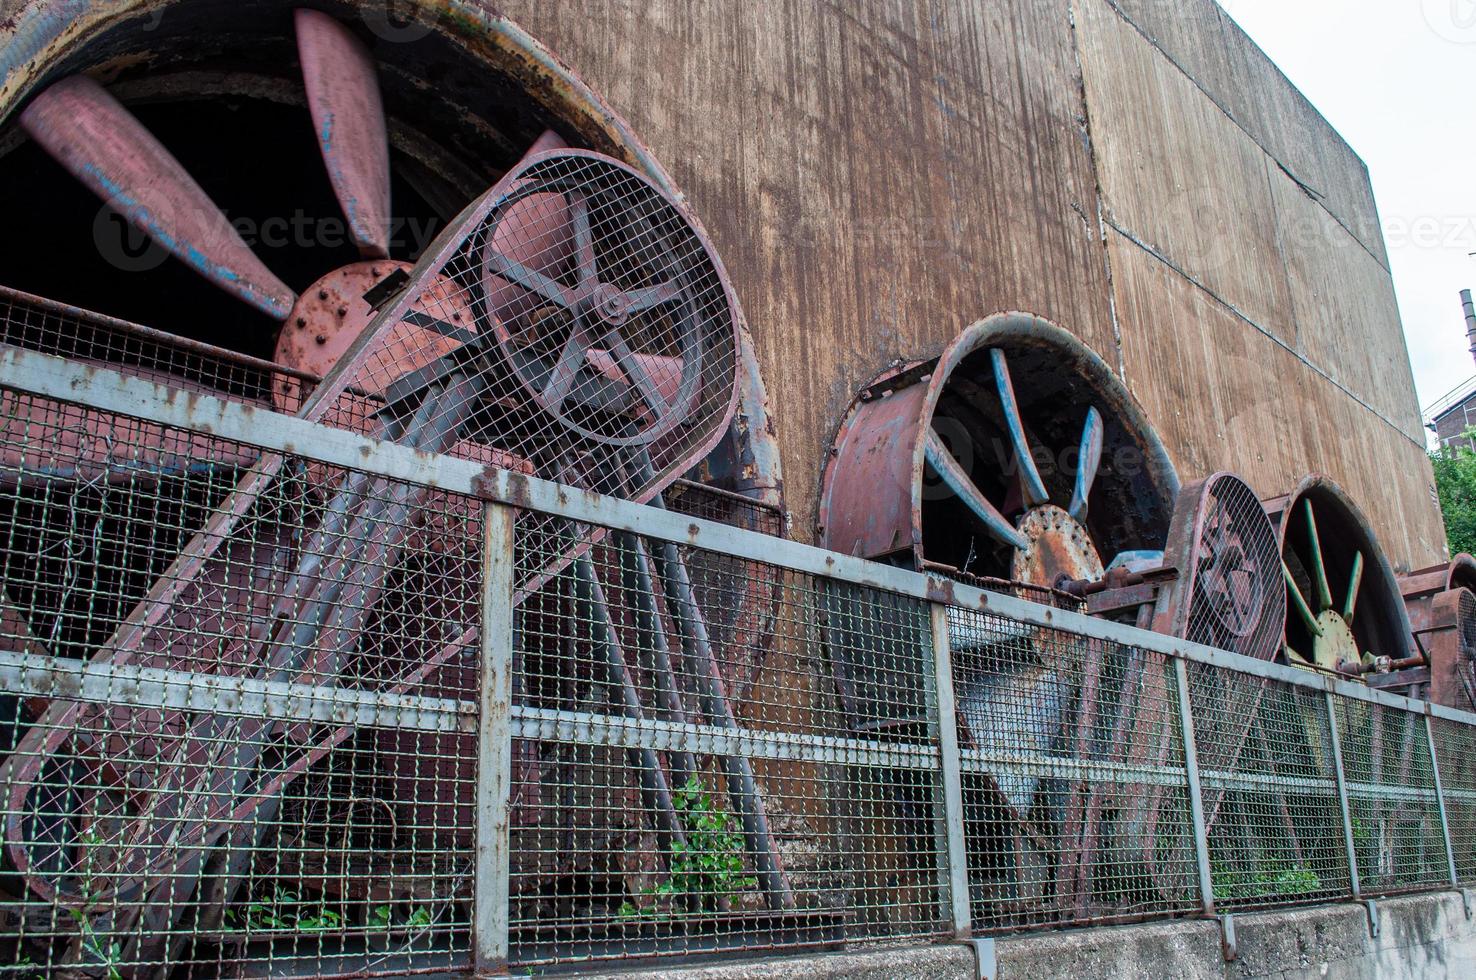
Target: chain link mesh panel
(1455,750)
(243,756)
(1269,779)
(1074,783)
(1391,798)
(678,800)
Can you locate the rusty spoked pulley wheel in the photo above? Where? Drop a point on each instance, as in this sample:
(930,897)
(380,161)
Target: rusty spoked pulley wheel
(1229,592)
(614,295)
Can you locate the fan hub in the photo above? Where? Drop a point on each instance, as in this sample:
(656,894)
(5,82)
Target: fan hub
(1337,645)
(610,304)
(332,312)
(1060,549)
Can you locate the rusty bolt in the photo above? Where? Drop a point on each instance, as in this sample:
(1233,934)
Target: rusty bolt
(342,311)
(321,338)
(322,294)
(301,322)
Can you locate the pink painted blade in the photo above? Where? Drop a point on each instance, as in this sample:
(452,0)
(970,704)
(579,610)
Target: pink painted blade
(99,142)
(535,233)
(348,117)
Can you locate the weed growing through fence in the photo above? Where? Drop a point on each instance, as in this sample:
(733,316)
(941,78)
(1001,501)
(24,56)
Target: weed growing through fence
(705,869)
(1273,880)
(108,957)
(285,911)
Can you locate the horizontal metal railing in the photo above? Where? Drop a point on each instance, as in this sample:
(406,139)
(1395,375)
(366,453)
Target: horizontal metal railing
(1382,797)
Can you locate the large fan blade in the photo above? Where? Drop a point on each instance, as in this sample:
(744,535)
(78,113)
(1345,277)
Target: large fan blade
(535,234)
(948,470)
(1300,603)
(1030,482)
(1318,568)
(348,117)
(1088,458)
(1355,578)
(100,143)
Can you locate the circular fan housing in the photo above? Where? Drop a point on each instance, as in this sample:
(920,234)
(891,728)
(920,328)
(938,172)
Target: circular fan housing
(1230,592)
(1344,609)
(607,303)
(1016,455)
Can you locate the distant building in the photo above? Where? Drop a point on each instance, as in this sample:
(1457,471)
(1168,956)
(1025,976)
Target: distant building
(1456,413)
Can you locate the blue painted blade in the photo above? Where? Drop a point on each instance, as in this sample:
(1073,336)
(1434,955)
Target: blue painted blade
(947,468)
(1087,460)
(1030,482)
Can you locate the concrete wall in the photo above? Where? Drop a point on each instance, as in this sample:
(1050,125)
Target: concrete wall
(1425,936)
(878,175)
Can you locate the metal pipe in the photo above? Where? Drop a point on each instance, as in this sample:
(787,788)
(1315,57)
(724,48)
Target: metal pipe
(654,785)
(1468,310)
(1196,793)
(1440,800)
(1335,736)
(649,627)
(742,787)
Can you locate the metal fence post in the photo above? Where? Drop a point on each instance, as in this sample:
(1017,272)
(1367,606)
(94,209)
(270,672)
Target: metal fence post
(1196,794)
(1342,780)
(494,744)
(945,713)
(1440,801)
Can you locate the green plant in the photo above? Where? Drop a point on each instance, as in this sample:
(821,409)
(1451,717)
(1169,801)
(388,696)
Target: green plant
(1272,880)
(285,911)
(1455,485)
(707,866)
(383,917)
(107,956)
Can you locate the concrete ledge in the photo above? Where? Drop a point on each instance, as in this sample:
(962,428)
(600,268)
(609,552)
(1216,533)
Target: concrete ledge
(940,962)
(1419,936)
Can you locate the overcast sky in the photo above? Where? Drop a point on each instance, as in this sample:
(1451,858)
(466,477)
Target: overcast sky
(1398,80)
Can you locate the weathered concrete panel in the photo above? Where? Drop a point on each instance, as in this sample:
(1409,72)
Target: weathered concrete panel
(1419,936)
(1207,44)
(1224,394)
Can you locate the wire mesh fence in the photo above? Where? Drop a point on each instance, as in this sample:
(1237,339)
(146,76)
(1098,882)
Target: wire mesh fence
(248,703)
(1073,777)
(1271,810)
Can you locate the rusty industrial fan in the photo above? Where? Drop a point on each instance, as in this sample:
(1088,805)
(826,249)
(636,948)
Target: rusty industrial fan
(1016,456)
(1346,618)
(1345,613)
(1441,605)
(1016,461)
(1219,584)
(572,322)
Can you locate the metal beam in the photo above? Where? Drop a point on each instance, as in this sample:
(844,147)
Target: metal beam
(1195,792)
(490,917)
(1342,781)
(221,694)
(945,720)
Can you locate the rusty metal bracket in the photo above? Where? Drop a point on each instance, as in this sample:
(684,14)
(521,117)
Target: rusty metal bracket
(386,289)
(906,377)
